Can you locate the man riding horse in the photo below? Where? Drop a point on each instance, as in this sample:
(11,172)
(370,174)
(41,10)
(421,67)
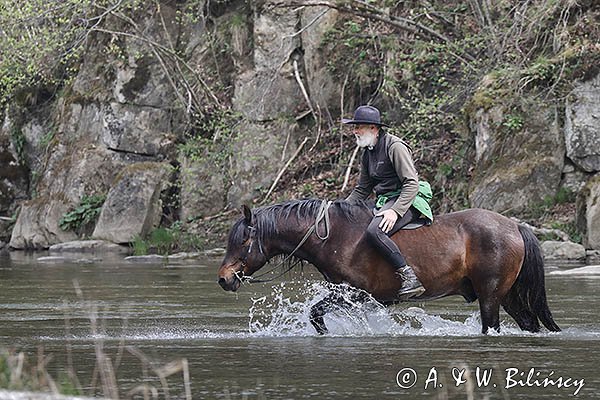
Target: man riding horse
(387,168)
(479,254)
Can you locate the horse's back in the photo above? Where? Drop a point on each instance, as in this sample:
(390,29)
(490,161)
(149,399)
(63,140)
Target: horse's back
(460,245)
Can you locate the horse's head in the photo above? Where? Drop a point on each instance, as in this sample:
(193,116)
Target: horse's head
(244,254)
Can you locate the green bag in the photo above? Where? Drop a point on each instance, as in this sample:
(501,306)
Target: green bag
(421,201)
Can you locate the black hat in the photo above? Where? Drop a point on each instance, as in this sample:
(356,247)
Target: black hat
(367,115)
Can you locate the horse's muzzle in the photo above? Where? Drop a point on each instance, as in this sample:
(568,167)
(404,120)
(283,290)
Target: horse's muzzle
(230,284)
(228,278)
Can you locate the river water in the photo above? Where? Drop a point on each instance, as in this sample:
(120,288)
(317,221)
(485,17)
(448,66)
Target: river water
(258,344)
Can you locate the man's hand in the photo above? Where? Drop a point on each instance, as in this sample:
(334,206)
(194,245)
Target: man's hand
(389,219)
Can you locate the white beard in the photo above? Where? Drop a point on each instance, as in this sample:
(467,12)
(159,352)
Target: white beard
(367,140)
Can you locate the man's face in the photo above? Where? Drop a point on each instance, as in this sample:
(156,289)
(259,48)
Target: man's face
(366,135)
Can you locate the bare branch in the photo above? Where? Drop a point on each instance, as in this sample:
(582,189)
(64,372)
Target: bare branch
(365,10)
(285,167)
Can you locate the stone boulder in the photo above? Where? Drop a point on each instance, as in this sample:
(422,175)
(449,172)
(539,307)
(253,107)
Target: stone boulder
(37,224)
(516,167)
(582,125)
(588,213)
(259,150)
(133,206)
(554,250)
(6,225)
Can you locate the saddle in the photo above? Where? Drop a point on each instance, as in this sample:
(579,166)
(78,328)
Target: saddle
(416,224)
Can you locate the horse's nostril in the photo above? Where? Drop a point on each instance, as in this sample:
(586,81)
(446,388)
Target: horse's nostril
(222,282)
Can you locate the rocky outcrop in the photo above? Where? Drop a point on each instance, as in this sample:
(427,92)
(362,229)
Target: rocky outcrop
(260,152)
(323,88)
(137,129)
(518,161)
(269,90)
(37,224)
(133,205)
(133,103)
(588,213)
(582,125)
(203,187)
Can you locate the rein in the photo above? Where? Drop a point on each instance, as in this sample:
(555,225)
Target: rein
(323,214)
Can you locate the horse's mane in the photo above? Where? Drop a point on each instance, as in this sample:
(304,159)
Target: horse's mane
(266,219)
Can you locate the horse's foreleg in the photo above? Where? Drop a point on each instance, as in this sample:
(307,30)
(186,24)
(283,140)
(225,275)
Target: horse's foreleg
(316,315)
(319,309)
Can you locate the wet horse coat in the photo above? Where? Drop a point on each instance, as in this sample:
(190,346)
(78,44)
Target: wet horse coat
(475,253)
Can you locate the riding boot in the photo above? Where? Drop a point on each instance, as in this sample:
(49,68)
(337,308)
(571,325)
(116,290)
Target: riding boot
(411,286)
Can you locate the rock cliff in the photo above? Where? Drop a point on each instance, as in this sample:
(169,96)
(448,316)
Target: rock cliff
(178,111)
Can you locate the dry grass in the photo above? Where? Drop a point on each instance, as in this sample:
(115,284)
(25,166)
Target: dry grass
(18,372)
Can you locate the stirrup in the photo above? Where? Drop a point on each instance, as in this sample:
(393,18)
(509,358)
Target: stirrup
(412,292)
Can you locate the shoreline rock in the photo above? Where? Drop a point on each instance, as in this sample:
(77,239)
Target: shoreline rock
(89,246)
(555,250)
(587,270)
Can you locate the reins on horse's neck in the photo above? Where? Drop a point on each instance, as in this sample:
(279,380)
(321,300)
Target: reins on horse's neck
(323,214)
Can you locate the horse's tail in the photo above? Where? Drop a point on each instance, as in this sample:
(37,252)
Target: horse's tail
(530,284)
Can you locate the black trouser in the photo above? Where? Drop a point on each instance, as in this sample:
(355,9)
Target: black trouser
(382,241)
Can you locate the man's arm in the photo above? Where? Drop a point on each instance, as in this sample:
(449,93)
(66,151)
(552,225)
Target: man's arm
(401,158)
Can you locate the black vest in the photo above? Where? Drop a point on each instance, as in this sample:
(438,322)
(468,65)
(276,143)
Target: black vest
(380,167)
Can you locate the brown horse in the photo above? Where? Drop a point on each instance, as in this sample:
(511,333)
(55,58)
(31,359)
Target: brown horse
(475,253)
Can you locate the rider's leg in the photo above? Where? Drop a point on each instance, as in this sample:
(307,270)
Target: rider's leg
(411,286)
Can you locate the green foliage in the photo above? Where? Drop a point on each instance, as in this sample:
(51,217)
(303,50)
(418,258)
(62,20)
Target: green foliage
(46,40)
(166,240)
(211,137)
(513,123)
(139,246)
(84,214)
(5,371)
(563,196)
(19,141)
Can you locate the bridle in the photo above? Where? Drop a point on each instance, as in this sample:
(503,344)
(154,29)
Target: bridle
(323,214)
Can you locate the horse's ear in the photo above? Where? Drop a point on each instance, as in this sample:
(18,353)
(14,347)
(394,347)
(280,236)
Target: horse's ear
(247,214)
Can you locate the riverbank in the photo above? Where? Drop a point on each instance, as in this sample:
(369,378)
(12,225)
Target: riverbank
(563,252)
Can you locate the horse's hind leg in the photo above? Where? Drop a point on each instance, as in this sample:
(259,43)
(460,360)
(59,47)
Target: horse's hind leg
(516,308)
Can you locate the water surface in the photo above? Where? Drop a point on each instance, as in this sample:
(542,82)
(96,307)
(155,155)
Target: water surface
(258,344)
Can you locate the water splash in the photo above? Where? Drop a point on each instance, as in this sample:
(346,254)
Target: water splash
(286,311)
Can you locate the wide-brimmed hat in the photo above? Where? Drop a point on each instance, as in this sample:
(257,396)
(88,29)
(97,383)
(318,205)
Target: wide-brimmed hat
(365,115)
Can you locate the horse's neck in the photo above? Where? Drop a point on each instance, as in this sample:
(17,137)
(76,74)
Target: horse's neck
(289,241)
(326,254)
